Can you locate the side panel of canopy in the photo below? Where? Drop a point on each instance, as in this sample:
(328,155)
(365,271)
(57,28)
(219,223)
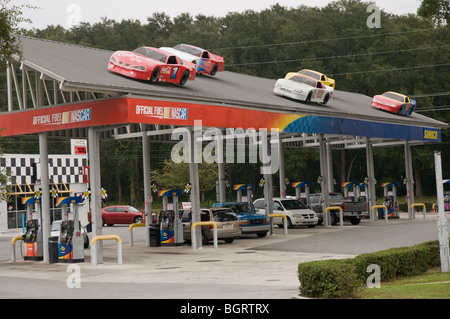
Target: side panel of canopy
(130,109)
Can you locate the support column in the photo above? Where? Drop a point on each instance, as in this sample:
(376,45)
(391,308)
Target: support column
(221,170)
(323,183)
(24,88)
(442,220)
(371,194)
(194,135)
(147,183)
(281,169)
(329,168)
(266,171)
(96,201)
(45,194)
(409,179)
(9,86)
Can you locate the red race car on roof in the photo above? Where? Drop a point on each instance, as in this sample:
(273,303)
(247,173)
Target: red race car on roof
(151,64)
(394,102)
(205,61)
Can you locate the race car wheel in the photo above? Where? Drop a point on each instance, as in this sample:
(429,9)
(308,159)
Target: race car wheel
(184,77)
(326,99)
(214,69)
(155,75)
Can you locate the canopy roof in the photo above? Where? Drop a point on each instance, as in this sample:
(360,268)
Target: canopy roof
(219,101)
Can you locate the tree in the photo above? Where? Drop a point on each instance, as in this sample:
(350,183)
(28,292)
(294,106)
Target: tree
(436,10)
(10,18)
(176,176)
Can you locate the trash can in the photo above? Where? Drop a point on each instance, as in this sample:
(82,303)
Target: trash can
(53,249)
(155,235)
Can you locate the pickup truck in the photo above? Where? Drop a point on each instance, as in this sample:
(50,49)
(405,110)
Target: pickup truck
(353,211)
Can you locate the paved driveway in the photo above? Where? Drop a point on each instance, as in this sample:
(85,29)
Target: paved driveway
(249,268)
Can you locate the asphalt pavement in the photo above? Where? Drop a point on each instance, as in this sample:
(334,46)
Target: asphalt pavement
(249,268)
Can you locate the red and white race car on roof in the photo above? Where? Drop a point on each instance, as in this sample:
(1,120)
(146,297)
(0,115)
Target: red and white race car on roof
(151,64)
(394,102)
(206,62)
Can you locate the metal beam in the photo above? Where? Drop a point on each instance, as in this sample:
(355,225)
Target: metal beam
(147,185)
(371,197)
(409,180)
(94,175)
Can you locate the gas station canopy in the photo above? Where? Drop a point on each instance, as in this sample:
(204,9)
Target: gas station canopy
(228,100)
(71,88)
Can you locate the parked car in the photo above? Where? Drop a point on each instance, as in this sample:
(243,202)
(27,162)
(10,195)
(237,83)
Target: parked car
(394,102)
(56,227)
(352,210)
(152,64)
(249,221)
(226,220)
(303,88)
(205,62)
(315,75)
(121,214)
(296,212)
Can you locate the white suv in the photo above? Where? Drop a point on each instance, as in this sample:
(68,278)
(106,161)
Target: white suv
(296,212)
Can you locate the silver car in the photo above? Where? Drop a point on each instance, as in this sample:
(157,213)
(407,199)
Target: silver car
(226,220)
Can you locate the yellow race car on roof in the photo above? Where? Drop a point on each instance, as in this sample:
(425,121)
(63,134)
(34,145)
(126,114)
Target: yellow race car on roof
(315,75)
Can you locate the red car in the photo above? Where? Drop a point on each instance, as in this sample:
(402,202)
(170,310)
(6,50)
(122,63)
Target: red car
(151,64)
(394,102)
(121,215)
(206,62)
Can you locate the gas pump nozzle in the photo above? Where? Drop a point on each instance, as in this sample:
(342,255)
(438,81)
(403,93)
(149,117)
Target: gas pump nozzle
(66,232)
(32,227)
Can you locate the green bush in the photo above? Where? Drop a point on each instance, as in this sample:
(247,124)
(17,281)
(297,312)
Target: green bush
(341,278)
(404,207)
(328,278)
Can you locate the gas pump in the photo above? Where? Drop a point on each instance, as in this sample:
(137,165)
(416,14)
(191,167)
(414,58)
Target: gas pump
(353,193)
(303,197)
(171,227)
(70,242)
(240,187)
(446,195)
(362,191)
(33,232)
(390,199)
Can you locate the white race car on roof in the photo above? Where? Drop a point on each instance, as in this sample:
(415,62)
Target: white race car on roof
(303,88)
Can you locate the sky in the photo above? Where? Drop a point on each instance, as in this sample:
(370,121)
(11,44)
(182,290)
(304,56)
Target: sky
(70,12)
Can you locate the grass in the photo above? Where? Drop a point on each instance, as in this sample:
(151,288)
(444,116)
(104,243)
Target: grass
(432,285)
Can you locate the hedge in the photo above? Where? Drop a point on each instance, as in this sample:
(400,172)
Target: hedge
(340,278)
(404,207)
